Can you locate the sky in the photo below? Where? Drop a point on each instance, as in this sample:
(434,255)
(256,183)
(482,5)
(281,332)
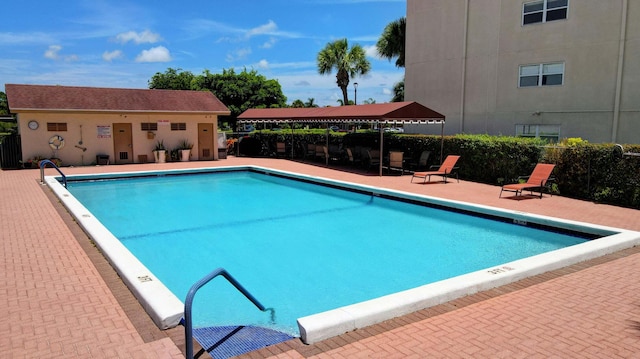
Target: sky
(118,43)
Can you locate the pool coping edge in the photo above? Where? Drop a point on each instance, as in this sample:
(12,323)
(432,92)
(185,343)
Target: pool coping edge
(167,311)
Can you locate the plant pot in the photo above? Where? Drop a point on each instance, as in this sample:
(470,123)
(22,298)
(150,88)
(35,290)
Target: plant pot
(184,155)
(160,156)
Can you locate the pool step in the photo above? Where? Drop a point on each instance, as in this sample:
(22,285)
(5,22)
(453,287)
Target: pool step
(229,341)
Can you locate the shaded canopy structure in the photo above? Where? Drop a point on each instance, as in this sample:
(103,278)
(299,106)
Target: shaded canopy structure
(394,113)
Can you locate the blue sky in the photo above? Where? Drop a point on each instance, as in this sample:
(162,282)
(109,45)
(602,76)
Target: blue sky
(109,43)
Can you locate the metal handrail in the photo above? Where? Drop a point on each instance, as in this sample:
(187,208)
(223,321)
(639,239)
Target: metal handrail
(188,323)
(43,163)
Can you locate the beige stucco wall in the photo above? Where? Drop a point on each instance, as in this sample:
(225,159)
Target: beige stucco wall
(463,57)
(82,131)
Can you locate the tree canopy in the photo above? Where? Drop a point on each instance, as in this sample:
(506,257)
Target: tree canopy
(299,104)
(238,91)
(398,92)
(172,79)
(392,41)
(347,62)
(4,105)
(391,45)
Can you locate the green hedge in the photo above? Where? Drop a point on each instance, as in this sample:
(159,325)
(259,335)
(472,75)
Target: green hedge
(596,172)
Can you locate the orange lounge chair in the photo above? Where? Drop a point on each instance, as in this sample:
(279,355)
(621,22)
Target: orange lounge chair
(444,170)
(538,179)
(281,149)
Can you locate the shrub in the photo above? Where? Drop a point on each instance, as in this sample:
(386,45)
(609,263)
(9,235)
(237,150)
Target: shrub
(597,172)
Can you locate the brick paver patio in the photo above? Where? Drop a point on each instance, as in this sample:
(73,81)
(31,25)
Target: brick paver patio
(62,300)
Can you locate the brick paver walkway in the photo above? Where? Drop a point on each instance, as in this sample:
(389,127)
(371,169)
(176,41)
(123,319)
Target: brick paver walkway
(61,302)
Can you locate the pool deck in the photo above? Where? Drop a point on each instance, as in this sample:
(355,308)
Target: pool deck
(61,299)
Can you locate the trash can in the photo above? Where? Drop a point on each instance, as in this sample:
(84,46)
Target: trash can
(102,159)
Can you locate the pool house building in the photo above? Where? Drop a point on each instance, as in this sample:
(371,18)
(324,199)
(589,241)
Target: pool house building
(90,125)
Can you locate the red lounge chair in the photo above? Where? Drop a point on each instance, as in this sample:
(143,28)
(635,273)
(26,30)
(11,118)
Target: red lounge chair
(538,179)
(444,171)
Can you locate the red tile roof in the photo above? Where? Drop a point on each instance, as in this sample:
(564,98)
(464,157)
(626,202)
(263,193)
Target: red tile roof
(393,112)
(70,98)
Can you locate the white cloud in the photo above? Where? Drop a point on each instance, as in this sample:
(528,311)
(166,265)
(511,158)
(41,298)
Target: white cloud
(11,38)
(371,51)
(228,33)
(269,44)
(53,53)
(111,55)
(154,54)
(239,54)
(294,65)
(263,64)
(200,27)
(268,28)
(145,37)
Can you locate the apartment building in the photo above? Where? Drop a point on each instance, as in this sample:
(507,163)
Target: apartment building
(548,68)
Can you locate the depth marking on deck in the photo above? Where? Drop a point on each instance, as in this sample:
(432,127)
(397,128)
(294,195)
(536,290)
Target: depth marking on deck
(499,270)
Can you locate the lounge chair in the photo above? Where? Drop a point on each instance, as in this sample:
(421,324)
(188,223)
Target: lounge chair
(351,158)
(281,149)
(396,161)
(537,180)
(421,163)
(373,159)
(311,151)
(320,153)
(444,170)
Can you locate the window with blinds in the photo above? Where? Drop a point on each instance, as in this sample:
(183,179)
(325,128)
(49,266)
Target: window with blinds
(149,126)
(541,74)
(544,11)
(56,126)
(178,126)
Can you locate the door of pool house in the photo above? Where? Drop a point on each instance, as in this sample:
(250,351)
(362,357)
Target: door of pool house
(122,143)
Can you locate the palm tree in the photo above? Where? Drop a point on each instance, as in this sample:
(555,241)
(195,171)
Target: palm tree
(391,42)
(310,102)
(398,92)
(347,63)
(297,104)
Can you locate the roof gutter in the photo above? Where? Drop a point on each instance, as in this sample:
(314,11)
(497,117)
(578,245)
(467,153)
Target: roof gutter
(15,110)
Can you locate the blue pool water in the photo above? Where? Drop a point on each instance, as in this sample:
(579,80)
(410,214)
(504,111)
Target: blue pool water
(298,247)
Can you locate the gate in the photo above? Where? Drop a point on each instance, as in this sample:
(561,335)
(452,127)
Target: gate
(10,152)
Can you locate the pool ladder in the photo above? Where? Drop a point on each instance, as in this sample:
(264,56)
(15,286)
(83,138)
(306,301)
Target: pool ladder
(43,164)
(188,323)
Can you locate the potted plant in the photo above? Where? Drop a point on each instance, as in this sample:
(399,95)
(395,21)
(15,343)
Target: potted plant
(185,150)
(160,152)
(33,162)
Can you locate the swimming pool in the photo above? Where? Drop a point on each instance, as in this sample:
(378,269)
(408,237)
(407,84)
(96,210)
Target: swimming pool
(322,322)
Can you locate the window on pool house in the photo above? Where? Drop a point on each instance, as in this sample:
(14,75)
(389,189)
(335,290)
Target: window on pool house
(544,11)
(149,126)
(178,126)
(541,74)
(56,126)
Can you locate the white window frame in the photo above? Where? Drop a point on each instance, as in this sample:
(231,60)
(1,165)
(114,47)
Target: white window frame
(542,71)
(550,133)
(545,10)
